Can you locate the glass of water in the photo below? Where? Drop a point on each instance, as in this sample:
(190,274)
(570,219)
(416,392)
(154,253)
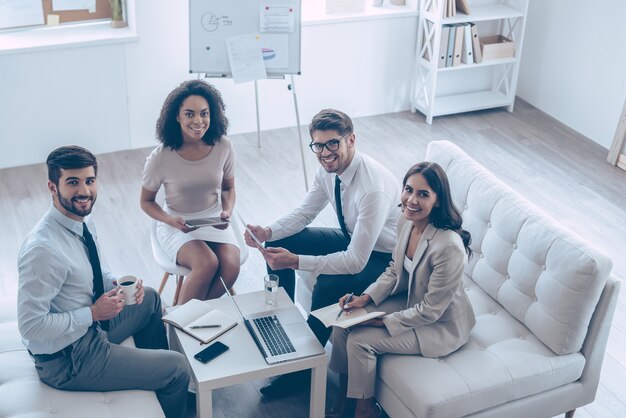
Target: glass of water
(271,288)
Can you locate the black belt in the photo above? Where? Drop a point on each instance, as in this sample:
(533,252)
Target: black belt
(42,358)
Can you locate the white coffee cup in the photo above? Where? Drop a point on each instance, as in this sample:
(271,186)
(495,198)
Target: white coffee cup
(128,287)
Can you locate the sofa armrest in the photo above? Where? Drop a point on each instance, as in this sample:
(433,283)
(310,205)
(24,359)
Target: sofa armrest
(595,343)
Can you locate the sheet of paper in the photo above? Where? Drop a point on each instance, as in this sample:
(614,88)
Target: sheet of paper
(246,60)
(53,20)
(277,18)
(60,5)
(16,13)
(275,50)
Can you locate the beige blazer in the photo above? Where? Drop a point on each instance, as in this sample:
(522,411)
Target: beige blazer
(437,308)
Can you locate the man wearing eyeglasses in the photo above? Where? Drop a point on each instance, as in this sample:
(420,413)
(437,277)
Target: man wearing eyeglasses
(364,195)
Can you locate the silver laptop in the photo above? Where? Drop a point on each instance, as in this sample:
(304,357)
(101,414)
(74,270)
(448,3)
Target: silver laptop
(281,334)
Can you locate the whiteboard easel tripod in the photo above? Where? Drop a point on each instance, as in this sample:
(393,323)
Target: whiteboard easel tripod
(292,88)
(212,22)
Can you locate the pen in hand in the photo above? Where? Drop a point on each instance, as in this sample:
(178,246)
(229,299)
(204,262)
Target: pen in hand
(348,299)
(205,326)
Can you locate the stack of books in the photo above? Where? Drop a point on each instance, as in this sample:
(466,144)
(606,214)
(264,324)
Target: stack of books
(451,6)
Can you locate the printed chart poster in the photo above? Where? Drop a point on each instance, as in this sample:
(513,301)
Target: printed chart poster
(244,55)
(277,18)
(275,50)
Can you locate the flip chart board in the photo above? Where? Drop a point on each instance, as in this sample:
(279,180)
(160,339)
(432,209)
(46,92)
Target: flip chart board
(276,24)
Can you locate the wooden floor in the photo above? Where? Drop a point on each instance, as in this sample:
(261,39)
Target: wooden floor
(562,172)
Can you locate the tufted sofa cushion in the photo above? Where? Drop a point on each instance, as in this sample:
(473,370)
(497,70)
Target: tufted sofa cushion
(502,361)
(543,275)
(22,394)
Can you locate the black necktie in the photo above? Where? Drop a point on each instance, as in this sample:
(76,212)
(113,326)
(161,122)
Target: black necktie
(342,222)
(98,286)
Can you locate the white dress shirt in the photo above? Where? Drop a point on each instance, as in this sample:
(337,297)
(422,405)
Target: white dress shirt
(55,283)
(370,196)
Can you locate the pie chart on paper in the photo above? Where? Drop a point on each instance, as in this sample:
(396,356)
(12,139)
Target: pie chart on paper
(268,54)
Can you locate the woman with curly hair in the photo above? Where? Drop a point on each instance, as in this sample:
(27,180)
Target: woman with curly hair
(195,165)
(421,292)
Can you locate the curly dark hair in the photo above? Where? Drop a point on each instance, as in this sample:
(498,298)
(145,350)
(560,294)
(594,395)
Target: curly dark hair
(445,215)
(168,130)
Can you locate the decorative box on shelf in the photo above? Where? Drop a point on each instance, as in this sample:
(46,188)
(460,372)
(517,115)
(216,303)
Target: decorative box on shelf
(497,46)
(344,6)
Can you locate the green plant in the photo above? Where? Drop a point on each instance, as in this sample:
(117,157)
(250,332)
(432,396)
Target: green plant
(116,10)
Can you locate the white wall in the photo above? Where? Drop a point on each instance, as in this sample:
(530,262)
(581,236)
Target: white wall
(107,98)
(60,97)
(574,64)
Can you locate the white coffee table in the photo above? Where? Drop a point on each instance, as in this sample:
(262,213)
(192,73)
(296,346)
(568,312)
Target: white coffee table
(243,361)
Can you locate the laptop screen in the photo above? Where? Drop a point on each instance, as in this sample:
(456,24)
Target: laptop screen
(232,299)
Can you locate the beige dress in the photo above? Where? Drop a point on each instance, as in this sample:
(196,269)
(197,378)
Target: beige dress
(192,190)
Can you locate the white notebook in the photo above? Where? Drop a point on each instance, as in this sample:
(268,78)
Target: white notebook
(328,316)
(197,313)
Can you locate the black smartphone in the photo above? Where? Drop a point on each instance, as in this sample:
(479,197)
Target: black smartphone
(211,352)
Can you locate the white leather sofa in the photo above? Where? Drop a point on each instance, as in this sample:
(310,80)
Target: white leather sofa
(22,394)
(544,301)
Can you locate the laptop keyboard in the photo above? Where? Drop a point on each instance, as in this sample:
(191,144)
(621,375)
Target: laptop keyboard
(274,335)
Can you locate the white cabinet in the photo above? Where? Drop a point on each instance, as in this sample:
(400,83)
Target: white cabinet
(466,87)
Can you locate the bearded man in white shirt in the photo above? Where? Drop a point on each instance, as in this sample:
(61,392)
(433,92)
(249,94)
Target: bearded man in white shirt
(71,314)
(348,258)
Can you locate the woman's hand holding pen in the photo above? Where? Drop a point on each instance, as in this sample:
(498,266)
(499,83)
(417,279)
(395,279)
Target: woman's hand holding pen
(354,302)
(359,302)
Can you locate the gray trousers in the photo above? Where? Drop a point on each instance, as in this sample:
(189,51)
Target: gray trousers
(355,350)
(96,362)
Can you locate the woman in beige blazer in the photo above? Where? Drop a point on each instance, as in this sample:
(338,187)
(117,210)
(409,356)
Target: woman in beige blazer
(421,291)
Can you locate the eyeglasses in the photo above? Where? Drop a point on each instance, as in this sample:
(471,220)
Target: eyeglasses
(332,145)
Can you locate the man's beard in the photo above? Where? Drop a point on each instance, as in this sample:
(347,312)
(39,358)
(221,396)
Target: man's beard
(68,204)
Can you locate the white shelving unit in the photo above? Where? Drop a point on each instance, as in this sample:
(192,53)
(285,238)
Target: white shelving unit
(467,87)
